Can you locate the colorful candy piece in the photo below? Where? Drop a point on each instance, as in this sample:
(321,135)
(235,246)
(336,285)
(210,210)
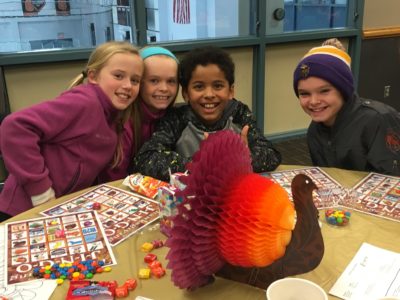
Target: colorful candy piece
(154,264)
(121,291)
(147,247)
(107,269)
(144,273)
(94,263)
(130,284)
(149,258)
(158,272)
(157,244)
(111,285)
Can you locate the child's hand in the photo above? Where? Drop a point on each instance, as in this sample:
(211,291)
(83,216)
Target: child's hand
(206,134)
(243,135)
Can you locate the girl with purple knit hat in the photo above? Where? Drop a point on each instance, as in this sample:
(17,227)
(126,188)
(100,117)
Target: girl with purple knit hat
(346,131)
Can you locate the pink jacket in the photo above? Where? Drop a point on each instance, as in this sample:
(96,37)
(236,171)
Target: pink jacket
(63,143)
(149,120)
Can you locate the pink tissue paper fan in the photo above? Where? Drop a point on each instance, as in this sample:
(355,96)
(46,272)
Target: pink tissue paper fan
(193,255)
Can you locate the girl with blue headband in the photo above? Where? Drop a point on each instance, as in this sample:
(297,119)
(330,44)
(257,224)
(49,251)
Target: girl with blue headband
(158,91)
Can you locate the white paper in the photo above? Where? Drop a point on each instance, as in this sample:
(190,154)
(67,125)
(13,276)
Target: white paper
(34,290)
(373,273)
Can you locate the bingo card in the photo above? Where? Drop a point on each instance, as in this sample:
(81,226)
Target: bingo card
(38,242)
(122,213)
(329,191)
(378,195)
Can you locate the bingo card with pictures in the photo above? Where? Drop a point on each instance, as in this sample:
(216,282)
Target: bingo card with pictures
(379,195)
(122,213)
(329,190)
(38,242)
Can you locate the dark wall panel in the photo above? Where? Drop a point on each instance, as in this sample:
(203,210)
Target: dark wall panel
(379,68)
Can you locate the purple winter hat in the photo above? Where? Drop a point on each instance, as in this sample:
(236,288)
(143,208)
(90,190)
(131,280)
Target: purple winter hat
(328,63)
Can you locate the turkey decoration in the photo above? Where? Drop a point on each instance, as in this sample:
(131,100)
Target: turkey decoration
(229,214)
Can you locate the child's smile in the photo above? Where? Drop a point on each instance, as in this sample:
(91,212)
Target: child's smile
(210,105)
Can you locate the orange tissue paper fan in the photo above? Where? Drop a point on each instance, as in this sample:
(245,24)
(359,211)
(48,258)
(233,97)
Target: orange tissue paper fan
(228,215)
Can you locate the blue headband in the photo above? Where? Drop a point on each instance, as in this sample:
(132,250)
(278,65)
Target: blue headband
(150,51)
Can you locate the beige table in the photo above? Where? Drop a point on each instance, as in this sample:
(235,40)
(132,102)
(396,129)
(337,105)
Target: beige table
(341,244)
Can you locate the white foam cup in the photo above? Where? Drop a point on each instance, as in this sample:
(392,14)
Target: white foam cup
(295,289)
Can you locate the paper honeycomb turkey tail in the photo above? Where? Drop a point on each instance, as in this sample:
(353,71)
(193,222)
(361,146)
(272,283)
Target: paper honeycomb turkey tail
(305,250)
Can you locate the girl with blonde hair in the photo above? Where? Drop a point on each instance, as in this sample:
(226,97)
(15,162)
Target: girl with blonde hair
(60,146)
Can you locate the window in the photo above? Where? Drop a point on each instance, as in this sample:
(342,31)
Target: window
(197,19)
(28,25)
(299,15)
(152,21)
(124,15)
(87,23)
(51,44)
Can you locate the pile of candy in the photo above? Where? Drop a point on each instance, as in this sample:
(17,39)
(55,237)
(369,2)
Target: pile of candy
(154,267)
(77,270)
(337,217)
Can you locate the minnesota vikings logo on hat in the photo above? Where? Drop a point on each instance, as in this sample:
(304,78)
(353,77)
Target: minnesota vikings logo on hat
(304,70)
(328,63)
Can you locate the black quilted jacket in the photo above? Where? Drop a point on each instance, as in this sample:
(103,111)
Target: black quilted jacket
(159,154)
